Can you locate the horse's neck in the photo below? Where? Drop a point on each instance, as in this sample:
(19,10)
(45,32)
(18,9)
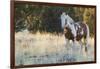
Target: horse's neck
(70,24)
(69,19)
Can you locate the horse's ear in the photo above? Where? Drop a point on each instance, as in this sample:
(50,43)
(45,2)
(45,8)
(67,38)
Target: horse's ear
(67,14)
(63,13)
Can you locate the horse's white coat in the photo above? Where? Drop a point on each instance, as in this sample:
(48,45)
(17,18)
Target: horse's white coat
(63,16)
(81,32)
(77,23)
(69,23)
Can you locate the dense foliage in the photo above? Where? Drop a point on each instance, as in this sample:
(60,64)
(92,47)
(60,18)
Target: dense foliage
(45,18)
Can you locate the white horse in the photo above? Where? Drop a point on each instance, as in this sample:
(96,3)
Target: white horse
(74,31)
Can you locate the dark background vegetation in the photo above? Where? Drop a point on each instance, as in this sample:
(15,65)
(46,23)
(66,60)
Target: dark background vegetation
(46,18)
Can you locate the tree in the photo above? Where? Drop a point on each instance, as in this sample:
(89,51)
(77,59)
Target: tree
(45,18)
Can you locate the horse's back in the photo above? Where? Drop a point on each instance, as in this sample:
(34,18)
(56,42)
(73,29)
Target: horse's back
(80,35)
(84,29)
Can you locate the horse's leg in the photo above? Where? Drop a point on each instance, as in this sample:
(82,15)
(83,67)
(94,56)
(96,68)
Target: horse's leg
(83,48)
(74,41)
(67,42)
(81,45)
(73,48)
(86,44)
(74,44)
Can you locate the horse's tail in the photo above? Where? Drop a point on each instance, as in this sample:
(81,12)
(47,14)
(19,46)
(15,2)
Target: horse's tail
(87,36)
(88,32)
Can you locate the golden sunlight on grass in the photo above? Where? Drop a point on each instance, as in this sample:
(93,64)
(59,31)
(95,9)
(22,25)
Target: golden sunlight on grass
(47,48)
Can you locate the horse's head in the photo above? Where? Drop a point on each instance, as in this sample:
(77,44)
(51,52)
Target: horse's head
(66,21)
(63,20)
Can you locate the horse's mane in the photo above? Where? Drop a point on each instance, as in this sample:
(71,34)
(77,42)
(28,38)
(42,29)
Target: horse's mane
(69,19)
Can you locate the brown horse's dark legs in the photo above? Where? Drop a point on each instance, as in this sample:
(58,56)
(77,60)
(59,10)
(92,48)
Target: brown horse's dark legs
(85,43)
(85,49)
(81,45)
(74,43)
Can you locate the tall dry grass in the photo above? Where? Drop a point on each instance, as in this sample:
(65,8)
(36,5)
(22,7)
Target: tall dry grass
(48,48)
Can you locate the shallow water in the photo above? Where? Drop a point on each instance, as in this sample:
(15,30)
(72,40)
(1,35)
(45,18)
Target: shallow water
(48,49)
